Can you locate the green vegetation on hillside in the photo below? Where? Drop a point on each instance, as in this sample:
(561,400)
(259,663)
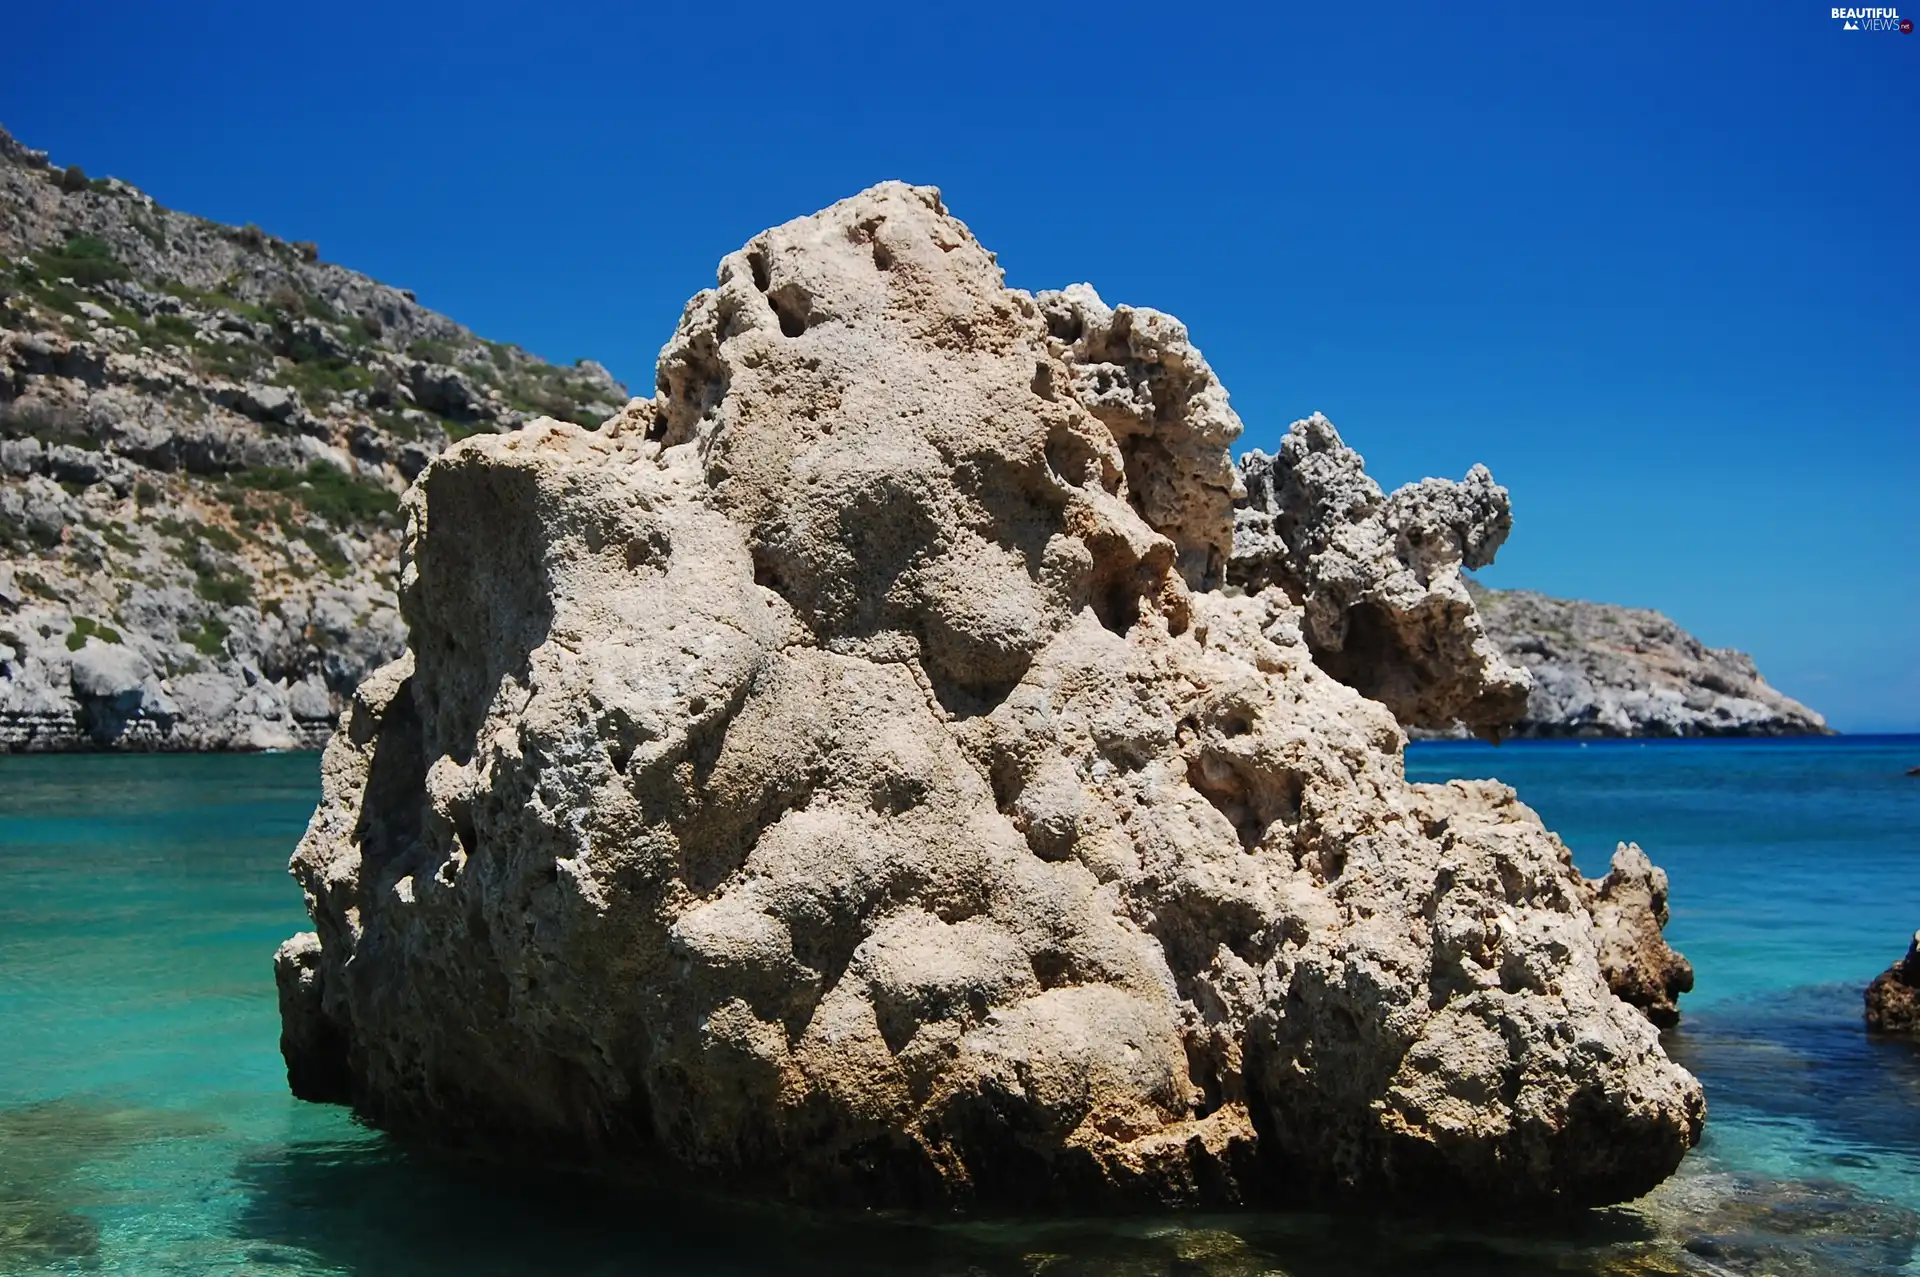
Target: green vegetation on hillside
(85,259)
(331,494)
(84,628)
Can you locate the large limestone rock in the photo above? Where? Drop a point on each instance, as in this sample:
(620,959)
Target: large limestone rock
(838,776)
(1379,577)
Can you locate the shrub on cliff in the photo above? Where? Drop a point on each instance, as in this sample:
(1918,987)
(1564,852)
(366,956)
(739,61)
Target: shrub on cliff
(87,260)
(339,498)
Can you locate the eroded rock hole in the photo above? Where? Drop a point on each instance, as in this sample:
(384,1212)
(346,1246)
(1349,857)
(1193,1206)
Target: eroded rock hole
(1252,800)
(1118,606)
(651,550)
(867,231)
(792,307)
(1043,381)
(768,576)
(1372,660)
(1203,1069)
(757,264)
(964,699)
(1076,462)
(1052,968)
(1007,783)
(463,829)
(893,793)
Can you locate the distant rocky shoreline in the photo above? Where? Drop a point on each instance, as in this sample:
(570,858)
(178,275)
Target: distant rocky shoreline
(1603,670)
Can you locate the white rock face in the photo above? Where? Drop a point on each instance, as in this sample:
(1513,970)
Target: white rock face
(839,776)
(1603,670)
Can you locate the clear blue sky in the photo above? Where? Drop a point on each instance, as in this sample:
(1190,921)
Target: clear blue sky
(1657,265)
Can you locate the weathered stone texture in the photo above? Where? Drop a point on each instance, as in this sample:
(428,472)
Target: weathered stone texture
(839,776)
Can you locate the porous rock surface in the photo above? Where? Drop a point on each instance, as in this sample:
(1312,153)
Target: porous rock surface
(1379,578)
(1629,907)
(839,776)
(1893,999)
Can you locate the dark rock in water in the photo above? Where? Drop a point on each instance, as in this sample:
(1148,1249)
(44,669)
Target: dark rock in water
(1893,999)
(1913,771)
(49,1150)
(1757,1226)
(847,777)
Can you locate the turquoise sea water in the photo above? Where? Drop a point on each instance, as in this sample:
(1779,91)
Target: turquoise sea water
(145,1125)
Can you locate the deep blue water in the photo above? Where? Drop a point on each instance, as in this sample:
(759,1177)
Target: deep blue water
(145,1125)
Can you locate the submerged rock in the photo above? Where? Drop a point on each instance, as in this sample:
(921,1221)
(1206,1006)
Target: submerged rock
(1893,999)
(839,776)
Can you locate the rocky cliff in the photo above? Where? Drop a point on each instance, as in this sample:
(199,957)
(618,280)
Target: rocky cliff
(1604,670)
(849,775)
(204,432)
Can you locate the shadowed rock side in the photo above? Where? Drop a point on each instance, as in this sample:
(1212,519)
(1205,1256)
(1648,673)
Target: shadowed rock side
(1603,670)
(1893,999)
(1385,607)
(836,777)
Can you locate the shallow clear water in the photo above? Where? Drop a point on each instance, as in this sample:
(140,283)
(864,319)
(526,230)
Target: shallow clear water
(145,1125)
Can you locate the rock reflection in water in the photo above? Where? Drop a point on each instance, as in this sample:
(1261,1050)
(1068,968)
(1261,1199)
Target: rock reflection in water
(368,1209)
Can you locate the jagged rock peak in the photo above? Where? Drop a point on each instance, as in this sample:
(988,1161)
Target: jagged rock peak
(1629,907)
(832,777)
(1379,576)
